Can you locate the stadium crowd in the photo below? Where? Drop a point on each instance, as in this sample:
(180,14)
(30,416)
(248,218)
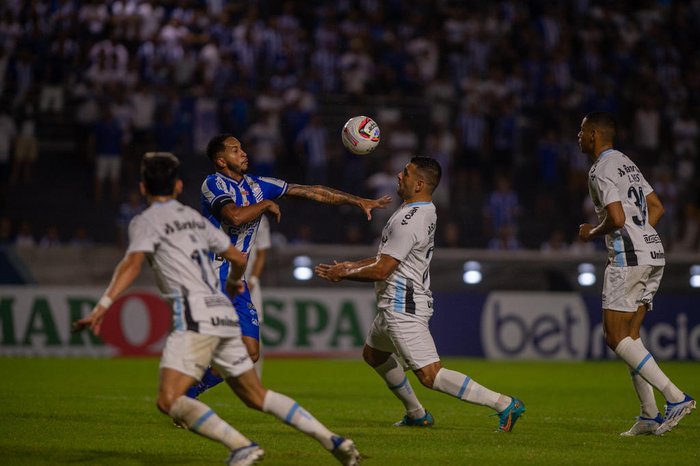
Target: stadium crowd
(494,90)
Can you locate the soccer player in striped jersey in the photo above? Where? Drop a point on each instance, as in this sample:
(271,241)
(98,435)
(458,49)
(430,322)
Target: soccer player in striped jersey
(233,200)
(174,239)
(401,275)
(628,209)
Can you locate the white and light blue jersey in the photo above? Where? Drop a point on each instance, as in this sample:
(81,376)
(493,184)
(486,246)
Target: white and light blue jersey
(409,237)
(176,240)
(615,178)
(219,190)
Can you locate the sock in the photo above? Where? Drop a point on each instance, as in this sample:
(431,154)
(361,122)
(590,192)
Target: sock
(397,381)
(645,393)
(200,419)
(640,360)
(209,380)
(463,387)
(288,411)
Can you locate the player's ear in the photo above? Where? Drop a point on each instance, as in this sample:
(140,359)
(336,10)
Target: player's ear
(220,162)
(178,187)
(142,189)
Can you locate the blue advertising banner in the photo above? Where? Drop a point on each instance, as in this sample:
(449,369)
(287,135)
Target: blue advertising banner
(555,326)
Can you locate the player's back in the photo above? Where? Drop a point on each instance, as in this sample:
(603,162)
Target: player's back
(619,179)
(177,240)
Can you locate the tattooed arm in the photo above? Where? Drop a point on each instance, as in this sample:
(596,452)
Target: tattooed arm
(326,195)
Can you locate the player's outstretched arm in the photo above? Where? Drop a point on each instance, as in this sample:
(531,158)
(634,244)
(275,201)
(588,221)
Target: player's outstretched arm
(124,275)
(238,216)
(239,261)
(372,269)
(326,195)
(655,209)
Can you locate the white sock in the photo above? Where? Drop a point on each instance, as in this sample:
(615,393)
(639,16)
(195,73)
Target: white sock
(645,393)
(640,360)
(397,381)
(200,419)
(288,411)
(461,386)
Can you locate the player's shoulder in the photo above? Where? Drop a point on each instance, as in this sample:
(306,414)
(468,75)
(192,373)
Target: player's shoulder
(416,212)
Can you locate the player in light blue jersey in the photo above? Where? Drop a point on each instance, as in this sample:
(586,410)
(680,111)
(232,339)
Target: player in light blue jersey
(401,275)
(628,210)
(234,201)
(174,239)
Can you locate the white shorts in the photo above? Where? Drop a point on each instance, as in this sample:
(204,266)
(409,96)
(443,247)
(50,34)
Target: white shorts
(191,352)
(627,288)
(407,335)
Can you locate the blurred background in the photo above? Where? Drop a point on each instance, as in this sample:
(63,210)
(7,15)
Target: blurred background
(495,90)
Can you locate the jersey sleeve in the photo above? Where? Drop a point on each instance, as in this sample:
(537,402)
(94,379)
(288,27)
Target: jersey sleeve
(607,189)
(143,236)
(272,188)
(400,240)
(215,195)
(217,240)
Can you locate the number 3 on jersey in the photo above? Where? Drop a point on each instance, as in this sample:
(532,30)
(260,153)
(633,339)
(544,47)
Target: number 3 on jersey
(641,202)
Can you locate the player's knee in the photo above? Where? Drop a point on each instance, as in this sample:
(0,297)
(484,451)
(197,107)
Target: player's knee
(254,354)
(426,379)
(165,403)
(612,340)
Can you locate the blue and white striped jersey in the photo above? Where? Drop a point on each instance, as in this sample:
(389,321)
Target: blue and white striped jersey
(612,178)
(219,190)
(409,237)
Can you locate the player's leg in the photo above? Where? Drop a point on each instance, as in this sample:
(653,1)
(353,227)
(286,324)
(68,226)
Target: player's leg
(378,353)
(627,296)
(256,299)
(184,355)
(249,389)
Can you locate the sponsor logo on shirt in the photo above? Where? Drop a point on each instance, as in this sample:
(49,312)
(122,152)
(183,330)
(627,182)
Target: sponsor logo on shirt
(409,215)
(657,255)
(187,225)
(224,322)
(651,239)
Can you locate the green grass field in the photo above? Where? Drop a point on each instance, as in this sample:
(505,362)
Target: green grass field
(88,411)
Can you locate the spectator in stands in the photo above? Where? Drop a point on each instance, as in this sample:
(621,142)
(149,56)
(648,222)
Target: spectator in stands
(106,146)
(26,145)
(24,238)
(51,237)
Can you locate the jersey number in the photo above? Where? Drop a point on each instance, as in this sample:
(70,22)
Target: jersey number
(641,202)
(200,257)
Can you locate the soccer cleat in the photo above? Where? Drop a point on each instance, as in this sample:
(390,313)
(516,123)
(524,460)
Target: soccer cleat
(644,426)
(345,451)
(245,456)
(674,413)
(509,416)
(425,421)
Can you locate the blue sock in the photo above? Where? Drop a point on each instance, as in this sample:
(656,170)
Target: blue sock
(208,380)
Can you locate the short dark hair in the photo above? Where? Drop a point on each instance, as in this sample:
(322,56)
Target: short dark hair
(430,169)
(604,121)
(159,172)
(216,145)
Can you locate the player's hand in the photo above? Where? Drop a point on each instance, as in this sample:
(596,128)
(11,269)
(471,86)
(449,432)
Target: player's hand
(332,273)
(368,204)
(93,321)
(235,288)
(584,231)
(274,209)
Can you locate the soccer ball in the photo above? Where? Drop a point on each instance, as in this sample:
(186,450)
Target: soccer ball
(361,135)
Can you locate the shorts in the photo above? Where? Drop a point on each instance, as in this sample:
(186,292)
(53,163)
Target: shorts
(191,353)
(108,166)
(407,335)
(627,288)
(247,314)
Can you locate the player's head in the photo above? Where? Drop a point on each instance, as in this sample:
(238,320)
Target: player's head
(419,178)
(160,174)
(227,154)
(597,129)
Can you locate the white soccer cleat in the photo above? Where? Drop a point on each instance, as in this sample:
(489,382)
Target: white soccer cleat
(644,426)
(245,456)
(345,451)
(674,413)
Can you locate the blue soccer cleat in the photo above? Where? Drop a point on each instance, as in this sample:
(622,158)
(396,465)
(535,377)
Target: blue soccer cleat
(674,413)
(509,416)
(245,456)
(425,421)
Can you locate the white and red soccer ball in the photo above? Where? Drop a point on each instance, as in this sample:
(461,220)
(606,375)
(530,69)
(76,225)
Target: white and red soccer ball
(361,135)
